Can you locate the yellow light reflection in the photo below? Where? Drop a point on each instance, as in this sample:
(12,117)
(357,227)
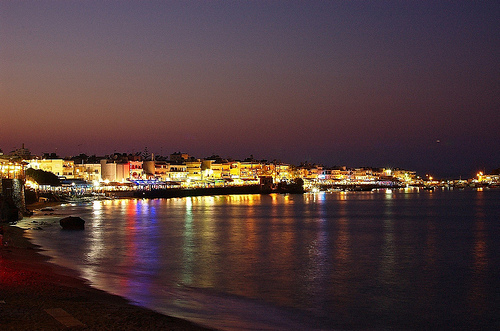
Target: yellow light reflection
(342,255)
(188,246)
(477,294)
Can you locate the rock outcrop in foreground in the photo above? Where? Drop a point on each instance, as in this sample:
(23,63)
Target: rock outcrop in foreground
(72,223)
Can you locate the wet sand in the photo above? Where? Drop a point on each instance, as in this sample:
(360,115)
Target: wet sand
(38,295)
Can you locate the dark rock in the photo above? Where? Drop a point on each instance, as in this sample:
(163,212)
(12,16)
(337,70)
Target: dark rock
(72,223)
(10,214)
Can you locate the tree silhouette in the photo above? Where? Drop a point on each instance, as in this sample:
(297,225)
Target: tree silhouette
(43,177)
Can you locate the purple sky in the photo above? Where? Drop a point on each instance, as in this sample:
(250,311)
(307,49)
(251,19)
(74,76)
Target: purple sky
(356,83)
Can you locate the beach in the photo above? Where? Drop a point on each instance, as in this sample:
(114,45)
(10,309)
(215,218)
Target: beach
(38,295)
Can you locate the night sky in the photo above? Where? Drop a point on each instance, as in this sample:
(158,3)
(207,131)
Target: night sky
(409,84)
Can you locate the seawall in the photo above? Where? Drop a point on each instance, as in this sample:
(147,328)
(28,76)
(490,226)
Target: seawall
(12,204)
(179,193)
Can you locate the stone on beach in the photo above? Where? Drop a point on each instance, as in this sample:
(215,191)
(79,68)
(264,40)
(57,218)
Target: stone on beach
(72,223)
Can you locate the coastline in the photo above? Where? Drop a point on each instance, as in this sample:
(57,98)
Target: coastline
(31,289)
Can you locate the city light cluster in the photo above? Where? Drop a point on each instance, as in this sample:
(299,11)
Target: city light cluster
(180,170)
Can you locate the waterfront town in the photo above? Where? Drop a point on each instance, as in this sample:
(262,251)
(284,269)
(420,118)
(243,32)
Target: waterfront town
(130,172)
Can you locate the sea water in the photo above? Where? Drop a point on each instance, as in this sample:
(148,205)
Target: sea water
(343,260)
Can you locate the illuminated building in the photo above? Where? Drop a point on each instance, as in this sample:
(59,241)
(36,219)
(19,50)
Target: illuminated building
(209,170)
(282,172)
(11,170)
(55,166)
(216,172)
(193,167)
(114,172)
(486,179)
(177,172)
(216,169)
(309,172)
(69,169)
(136,170)
(364,175)
(234,170)
(250,170)
(90,172)
(154,169)
(405,175)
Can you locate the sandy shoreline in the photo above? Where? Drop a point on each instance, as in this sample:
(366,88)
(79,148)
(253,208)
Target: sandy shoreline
(32,289)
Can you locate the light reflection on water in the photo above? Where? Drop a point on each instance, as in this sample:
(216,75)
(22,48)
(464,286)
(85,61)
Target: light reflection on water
(341,260)
(480,258)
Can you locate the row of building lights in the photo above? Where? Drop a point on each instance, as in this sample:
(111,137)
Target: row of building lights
(11,170)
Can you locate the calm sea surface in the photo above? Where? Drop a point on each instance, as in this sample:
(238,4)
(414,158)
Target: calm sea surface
(383,259)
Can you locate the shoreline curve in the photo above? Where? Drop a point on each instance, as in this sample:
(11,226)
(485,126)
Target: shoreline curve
(32,288)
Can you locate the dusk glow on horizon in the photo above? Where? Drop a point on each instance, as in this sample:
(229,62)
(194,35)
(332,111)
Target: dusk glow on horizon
(413,85)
